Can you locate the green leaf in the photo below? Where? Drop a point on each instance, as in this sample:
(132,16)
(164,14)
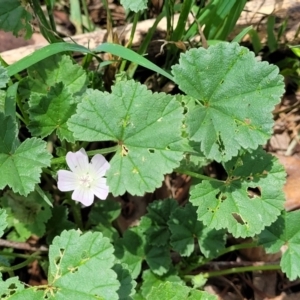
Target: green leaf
(127,288)
(3,77)
(185,228)
(102,214)
(10,100)
(81,267)
(151,280)
(8,134)
(58,222)
(21,165)
(10,286)
(285,232)
(15,18)
(134,5)
(235,94)
(13,289)
(115,49)
(248,200)
(51,113)
(177,291)
(132,249)
(141,159)
(31,211)
(2,101)
(48,72)
(159,213)
(3,221)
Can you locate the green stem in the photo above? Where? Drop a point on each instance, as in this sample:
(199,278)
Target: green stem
(196,175)
(25,263)
(21,118)
(233,248)
(18,255)
(267,267)
(238,247)
(60,160)
(25,117)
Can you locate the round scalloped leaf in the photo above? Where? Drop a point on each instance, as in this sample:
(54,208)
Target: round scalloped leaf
(51,112)
(81,266)
(22,167)
(235,94)
(49,71)
(146,127)
(251,198)
(285,232)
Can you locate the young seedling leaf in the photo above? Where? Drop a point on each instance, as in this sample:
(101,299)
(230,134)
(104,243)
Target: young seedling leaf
(235,94)
(248,200)
(81,267)
(284,234)
(146,127)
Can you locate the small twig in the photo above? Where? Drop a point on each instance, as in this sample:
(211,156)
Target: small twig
(232,264)
(22,246)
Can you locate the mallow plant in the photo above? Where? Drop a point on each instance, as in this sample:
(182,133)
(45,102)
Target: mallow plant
(58,188)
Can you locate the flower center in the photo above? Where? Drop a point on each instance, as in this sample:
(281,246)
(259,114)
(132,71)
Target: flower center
(86,180)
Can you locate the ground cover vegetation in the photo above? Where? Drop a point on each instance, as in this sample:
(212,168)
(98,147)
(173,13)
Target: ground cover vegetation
(126,175)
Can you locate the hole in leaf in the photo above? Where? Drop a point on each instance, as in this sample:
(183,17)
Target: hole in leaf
(151,150)
(124,151)
(249,178)
(254,192)
(73,270)
(238,218)
(221,196)
(57,260)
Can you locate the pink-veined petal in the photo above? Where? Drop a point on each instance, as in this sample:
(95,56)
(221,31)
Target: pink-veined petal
(99,164)
(100,188)
(78,161)
(83,195)
(67,181)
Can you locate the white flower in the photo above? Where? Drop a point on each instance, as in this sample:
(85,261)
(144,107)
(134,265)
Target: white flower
(86,179)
